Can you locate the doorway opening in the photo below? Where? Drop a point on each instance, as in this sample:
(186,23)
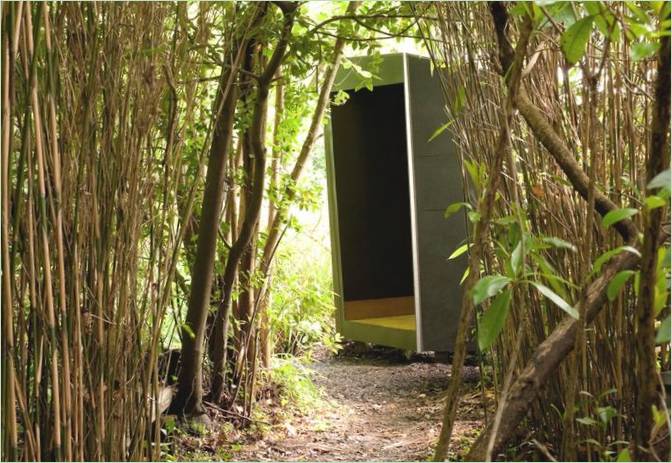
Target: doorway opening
(374,215)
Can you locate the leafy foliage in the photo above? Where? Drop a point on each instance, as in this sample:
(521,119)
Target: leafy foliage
(575,39)
(302,309)
(492,321)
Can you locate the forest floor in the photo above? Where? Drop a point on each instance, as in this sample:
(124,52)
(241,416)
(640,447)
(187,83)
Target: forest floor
(373,405)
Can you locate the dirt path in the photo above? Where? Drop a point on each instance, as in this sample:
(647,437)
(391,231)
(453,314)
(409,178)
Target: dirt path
(375,408)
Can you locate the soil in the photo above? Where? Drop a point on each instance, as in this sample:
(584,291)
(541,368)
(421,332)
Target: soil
(377,405)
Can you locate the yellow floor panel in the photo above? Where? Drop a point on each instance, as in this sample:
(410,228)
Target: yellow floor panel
(400,322)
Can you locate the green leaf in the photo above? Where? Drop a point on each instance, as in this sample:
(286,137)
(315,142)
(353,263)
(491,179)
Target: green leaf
(562,13)
(587,421)
(574,40)
(665,256)
(517,257)
(643,50)
(659,416)
(170,424)
(624,455)
(638,12)
(662,180)
(663,335)
(488,286)
(617,215)
(519,9)
(189,331)
(558,243)
(636,30)
(602,259)
(473,171)
(464,276)
(617,283)
(453,208)
(654,202)
(492,321)
(440,130)
(592,442)
(544,2)
(606,413)
(474,216)
(604,20)
(608,26)
(593,8)
(459,251)
(506,220)
(358,69)
(550,274)
(557,300)
(458,103)
(660,293)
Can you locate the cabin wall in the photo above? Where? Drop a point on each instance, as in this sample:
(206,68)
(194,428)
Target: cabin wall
(390,240)
(438,183)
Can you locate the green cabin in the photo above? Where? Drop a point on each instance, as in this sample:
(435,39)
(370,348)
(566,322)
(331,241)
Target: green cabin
(388,188)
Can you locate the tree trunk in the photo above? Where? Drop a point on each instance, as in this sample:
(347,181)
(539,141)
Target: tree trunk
(252,209)
(645,342)
(188,399)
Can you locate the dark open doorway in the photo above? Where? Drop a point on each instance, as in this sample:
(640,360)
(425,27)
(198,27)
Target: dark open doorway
(374,216)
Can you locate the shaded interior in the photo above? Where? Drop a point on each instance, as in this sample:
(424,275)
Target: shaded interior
(372,194)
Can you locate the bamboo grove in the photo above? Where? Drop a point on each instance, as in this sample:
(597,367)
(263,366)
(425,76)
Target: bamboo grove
(579,129)
(152,155)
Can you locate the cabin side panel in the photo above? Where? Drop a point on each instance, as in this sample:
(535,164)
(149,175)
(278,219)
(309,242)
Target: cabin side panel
(438,183)
(333,228)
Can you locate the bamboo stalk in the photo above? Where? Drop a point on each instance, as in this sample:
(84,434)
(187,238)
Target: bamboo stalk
(8,370)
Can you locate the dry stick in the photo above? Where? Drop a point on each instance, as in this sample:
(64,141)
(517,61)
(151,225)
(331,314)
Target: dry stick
(32,258)
(170,262)
(519,338)
(18,191)
(569,434)
(279,109)
(60,248)
(658,160)
(485,208)
(9,402)
(505,392)
(466,314)
(262,294)
(30,435)
(545,133)
(49,297)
